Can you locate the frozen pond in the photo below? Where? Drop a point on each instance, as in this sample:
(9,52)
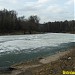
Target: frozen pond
(15,48)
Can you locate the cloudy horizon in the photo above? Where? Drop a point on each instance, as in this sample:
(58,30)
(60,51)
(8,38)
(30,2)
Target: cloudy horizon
(47,10)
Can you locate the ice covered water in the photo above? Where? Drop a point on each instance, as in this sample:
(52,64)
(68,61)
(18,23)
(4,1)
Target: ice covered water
(15,48)
(28,43)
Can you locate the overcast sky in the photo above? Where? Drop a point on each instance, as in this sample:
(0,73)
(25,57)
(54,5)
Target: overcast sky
(47,10)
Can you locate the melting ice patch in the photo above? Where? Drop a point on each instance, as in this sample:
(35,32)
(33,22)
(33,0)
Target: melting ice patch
(28,43)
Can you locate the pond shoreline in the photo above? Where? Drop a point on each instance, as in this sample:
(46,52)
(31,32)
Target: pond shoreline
(60,57)
(36,65)
(9,34)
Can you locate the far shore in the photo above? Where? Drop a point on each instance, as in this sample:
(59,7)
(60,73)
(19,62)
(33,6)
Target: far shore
(27,33)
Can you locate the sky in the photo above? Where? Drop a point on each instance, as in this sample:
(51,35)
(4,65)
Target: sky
(47,10)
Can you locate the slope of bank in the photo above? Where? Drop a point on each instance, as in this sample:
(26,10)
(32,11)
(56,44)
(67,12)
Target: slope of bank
(64,63)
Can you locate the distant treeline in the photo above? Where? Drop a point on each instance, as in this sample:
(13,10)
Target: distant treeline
(11,23)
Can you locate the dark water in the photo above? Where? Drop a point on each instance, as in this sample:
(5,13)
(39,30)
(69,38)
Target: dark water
(10,59)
